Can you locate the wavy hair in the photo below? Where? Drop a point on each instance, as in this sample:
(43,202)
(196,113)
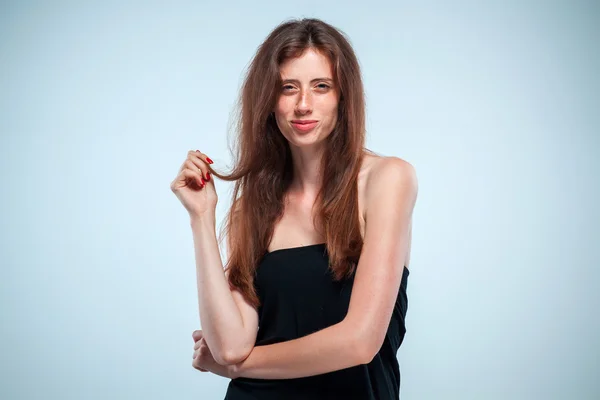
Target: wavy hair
(262,168)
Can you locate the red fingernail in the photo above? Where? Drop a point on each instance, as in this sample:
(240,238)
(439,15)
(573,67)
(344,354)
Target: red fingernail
(209,160)
(208,176)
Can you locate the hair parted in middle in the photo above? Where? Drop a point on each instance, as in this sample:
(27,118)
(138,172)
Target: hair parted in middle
(263,163)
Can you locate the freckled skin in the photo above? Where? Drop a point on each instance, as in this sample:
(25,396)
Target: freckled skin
(305,96)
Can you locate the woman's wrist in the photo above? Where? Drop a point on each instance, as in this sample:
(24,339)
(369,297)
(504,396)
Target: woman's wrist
(207,220)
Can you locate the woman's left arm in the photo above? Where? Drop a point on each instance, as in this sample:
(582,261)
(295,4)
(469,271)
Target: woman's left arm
(391,193)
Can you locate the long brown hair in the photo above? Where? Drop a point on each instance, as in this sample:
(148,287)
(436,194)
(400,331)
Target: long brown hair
(263,165)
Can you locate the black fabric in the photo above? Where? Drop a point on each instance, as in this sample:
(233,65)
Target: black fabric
(298,297)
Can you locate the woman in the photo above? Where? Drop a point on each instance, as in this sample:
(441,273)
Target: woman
(312,301)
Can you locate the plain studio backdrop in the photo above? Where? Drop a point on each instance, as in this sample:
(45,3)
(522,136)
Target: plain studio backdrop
(495,103)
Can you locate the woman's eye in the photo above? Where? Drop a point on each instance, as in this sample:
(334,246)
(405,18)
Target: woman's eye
(323,86)
(288,87)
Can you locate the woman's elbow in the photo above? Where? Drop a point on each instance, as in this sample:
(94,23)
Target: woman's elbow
(232,356)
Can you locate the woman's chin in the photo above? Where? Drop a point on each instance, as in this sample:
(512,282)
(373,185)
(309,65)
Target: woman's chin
(305,140)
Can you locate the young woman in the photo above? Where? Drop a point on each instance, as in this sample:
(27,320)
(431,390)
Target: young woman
(312,301)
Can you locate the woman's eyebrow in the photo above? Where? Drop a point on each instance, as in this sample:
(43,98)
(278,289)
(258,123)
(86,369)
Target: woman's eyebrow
(312,81)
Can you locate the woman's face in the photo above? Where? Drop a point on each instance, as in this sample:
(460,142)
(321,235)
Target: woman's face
(306,111)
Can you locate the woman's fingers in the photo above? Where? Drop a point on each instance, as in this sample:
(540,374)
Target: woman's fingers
(199,344)
(200,160)
(196,366)
(195,176)
(202,170)
(198,338)
(194,168)
(197,335)
(204,157)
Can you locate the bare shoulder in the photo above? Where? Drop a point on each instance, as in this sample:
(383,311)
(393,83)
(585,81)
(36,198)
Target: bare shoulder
(387,173)
(384,177)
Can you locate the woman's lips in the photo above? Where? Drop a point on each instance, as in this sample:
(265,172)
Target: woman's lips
(304,126)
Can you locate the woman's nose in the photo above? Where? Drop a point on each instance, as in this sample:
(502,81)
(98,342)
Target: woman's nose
(304,103)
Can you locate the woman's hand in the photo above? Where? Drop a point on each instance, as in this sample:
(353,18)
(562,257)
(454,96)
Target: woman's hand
(203,358)
(193,186)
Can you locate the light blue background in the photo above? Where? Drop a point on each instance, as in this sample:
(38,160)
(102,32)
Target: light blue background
(496,104)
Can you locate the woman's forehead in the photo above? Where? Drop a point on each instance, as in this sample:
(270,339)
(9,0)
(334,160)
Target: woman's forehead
(309,65)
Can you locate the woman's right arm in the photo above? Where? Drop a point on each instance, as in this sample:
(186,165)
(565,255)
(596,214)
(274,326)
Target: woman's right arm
(229,323)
